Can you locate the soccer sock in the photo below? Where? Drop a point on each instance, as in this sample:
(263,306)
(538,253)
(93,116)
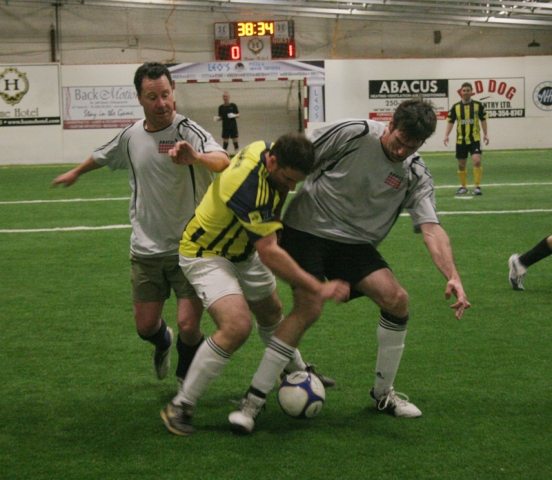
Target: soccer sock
(277,355)
(186,355)
(391,334)
(236,146)
(477,174)
(537,253)
(208,364)
(225,145)
(161,339)
(463,176)
(296,363)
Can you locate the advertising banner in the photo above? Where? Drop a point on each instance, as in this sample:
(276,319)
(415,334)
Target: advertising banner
(100,107)
(502,97)
(29,95)
(385,95)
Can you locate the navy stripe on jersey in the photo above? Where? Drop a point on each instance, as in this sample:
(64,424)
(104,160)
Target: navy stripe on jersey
(114,138)
(199,133)
(324,138)
(334,131)
(193,128)
(332,165)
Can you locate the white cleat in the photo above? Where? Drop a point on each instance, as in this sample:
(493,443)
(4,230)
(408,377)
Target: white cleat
(243,418)
(517,272)
(396,404)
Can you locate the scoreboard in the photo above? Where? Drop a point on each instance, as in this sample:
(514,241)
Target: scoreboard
(263,40)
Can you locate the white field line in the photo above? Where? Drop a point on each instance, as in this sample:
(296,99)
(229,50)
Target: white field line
(65,200)
(66,229)
(69,200)
(292,192)
(111,227)
(499,185)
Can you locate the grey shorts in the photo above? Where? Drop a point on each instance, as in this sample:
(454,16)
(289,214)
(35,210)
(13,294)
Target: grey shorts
(153,279)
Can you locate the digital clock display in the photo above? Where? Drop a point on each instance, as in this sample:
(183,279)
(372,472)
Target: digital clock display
(250,29)
(258,40)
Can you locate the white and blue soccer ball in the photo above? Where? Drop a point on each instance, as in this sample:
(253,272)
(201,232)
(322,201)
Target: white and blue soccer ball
(301,395)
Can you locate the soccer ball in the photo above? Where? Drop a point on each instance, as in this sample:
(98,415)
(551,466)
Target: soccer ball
(301,395)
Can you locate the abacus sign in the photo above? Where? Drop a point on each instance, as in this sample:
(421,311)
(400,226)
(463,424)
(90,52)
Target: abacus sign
(261,40)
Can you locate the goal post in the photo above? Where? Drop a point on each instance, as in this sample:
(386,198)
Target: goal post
(268,107)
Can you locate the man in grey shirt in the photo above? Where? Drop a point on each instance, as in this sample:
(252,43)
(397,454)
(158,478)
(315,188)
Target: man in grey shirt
(164,196)
(365,174)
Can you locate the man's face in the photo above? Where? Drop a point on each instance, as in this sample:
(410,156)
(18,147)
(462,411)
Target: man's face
(397,146)
(285,179)
(466,94)
(157,99)
(226,98)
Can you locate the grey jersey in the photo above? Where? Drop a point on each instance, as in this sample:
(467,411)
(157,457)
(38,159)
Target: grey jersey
(164,195)
(355,193)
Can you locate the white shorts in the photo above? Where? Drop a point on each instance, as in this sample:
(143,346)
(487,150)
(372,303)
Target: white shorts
(217,277)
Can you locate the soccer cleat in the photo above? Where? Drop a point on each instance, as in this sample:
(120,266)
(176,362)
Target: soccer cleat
(477,191)
(517,272)
(461,191)
(162,359)
(178,418)
(326,381)
(390,402)
(243,418)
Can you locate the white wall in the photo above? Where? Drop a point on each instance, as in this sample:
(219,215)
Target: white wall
(346,91)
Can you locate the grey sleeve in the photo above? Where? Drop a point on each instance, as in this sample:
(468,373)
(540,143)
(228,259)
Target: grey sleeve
(420,202)
(112,153)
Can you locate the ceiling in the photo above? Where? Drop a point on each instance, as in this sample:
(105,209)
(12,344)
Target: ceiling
(527,14)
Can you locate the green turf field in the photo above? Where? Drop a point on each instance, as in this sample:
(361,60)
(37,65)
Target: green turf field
(79,399)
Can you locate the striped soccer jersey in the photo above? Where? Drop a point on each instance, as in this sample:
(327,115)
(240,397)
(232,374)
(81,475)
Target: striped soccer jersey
(467,116)
(355,193)
(238,209)
(163,195)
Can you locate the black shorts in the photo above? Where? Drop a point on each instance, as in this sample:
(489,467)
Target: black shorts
(462,149)
(230,132)
(330,259)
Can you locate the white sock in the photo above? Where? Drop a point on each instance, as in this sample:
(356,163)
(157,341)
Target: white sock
(277,355)
(296,363)
(209,362)
(390,349)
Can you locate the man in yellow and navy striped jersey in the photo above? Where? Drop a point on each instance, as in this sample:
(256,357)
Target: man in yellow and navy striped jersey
(229,253)
(471,118)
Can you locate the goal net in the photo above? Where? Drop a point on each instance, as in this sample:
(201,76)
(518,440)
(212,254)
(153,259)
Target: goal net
(267,109)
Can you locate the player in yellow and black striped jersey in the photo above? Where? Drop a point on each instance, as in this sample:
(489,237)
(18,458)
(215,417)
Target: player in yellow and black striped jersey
(238,209)
(471,118)
(230,254)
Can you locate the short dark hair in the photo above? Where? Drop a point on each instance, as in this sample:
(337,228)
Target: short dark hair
(416,119)
(151,70)
(467,84)
(295,151)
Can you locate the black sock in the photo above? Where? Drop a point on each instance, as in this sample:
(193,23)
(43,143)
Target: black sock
(236,146)
(536,254)
(161,339)
(186,354)
(225,145)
